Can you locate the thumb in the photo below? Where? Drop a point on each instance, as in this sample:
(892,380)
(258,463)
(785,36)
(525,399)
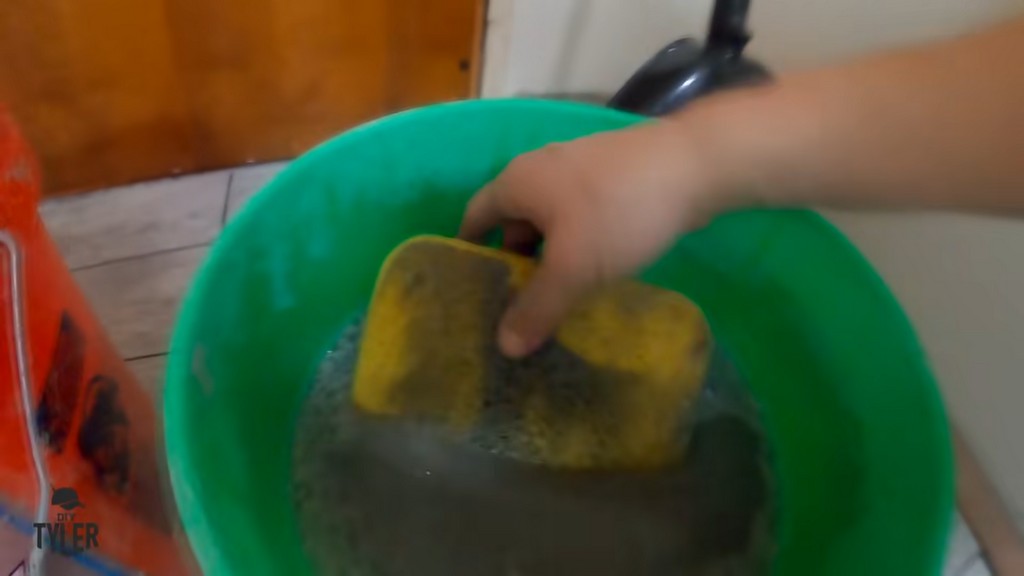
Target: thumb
(537,311)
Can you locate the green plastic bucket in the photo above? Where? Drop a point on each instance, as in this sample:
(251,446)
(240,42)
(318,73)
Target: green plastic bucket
(859,433)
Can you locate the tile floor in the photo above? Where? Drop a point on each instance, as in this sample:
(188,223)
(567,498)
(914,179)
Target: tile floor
(134,250)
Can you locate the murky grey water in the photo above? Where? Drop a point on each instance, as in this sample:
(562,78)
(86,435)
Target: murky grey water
(376,498)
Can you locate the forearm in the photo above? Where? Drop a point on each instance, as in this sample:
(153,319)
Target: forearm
(939,126)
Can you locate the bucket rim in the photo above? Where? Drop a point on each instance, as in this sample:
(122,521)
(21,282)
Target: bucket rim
(202,539)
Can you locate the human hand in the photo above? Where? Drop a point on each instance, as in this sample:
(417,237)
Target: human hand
(605,206)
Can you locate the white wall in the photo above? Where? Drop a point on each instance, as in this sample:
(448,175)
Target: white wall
(546,46)
(960,278)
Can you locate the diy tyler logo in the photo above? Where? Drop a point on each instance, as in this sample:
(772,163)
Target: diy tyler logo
(66,535)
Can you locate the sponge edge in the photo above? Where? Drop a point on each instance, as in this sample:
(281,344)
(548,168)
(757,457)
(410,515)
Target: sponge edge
(613,389)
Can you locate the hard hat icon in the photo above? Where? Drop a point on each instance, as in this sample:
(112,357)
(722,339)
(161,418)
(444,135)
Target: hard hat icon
(66,498)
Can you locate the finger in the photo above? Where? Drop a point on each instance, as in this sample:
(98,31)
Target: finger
(541,306)
(521,237)
(482,215)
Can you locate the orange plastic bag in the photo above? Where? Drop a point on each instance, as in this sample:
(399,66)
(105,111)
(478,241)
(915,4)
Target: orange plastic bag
(81,487)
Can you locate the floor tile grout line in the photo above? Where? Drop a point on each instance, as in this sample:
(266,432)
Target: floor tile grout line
(139,256)
(146,356)
(984,559)
(967,564)
(227,200)
(131,186)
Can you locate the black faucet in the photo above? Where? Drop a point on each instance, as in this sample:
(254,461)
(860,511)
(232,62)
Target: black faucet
(685,70)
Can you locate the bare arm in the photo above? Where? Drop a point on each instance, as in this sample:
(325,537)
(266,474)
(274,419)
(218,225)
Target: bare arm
(938,126)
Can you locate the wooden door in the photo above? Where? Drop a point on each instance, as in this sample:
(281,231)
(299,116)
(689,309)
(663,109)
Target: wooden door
(115,91)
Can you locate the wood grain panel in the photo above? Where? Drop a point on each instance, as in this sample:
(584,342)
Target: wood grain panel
(114,91)
(93,86)
(422,46)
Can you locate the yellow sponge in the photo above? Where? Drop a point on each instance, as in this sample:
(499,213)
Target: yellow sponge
(613,389)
